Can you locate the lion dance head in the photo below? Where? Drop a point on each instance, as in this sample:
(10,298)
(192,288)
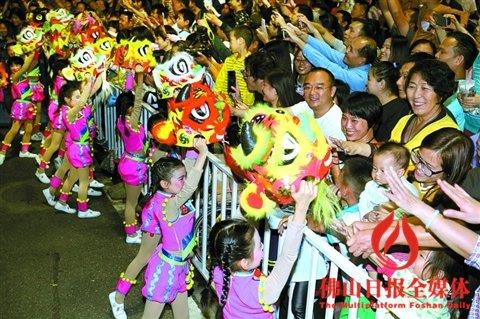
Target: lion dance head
(195,111)
(272,151)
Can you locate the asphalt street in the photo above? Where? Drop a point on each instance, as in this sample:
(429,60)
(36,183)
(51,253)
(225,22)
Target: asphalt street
(55,265)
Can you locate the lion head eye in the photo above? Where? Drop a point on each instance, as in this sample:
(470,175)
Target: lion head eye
(291,148)
(200,114)
(143,50)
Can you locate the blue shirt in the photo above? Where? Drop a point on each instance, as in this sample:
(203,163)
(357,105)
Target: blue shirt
(320,54)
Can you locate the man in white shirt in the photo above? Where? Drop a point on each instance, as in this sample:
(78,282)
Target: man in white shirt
(318,92)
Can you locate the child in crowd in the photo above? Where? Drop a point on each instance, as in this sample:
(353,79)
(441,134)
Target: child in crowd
(183,26)
(23,109)
(132,166)
(388,155)
(241,38)
(236,252)
(170,215)
(355,174)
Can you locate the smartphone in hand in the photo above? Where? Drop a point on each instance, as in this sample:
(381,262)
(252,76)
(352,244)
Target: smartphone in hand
(440,20)
(231,82)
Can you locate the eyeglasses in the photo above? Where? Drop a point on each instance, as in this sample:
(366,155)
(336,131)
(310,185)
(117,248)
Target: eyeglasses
(421,164)
(319,89)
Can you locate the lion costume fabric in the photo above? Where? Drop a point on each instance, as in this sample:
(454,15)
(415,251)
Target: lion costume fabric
(273,150)
(84,62)
(29,39)
(195,111)
(179,70)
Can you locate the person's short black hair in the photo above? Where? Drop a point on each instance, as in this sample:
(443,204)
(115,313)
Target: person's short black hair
(142,33)
(356,172)
(260,63)
(331,77)
(187,15)
(398,151)
(369,50)
(423,41)
(368,27)
(127,13)
(306,11)
(417,57)
(347,17)
(244,32)
(465,47)
(15,60)
(342,90)
(386,70)
(438,75)
(365,106)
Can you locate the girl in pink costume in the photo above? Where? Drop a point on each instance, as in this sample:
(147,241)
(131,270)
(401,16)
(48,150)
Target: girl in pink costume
(132,166)
(168,215)
(23,110)
(77,142)
(236,252)
(55,115)
(37,96)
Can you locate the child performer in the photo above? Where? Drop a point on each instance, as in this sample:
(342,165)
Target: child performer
(23,110)
(236,252)
(78,146)
(55,116)
(169,215)
(132,166)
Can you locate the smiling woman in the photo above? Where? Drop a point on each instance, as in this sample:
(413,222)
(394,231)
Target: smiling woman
(428,84)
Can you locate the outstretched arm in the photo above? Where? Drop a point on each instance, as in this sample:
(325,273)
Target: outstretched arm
(461,239)
(293,237)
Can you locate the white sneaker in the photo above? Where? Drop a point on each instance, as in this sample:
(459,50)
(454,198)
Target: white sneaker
(42,177)
(27,154)
(89,214)
(49,197)
(64,208)
(96,184)
(58,162)
(137,239)
(2,158)
(38,159)
(90,192)
(118,309)
(37,137)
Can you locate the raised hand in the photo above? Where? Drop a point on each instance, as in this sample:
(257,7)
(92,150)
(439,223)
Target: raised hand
(469,207)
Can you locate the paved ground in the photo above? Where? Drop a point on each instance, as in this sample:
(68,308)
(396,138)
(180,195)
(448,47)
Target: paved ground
(56,265)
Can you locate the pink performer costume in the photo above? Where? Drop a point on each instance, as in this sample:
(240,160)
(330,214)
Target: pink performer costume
(167,270)
(77,141)
(250,293)
(22,108)
(55,114)
(167,273)
(132,166)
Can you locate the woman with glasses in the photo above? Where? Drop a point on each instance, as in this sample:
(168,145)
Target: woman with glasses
(444,154)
